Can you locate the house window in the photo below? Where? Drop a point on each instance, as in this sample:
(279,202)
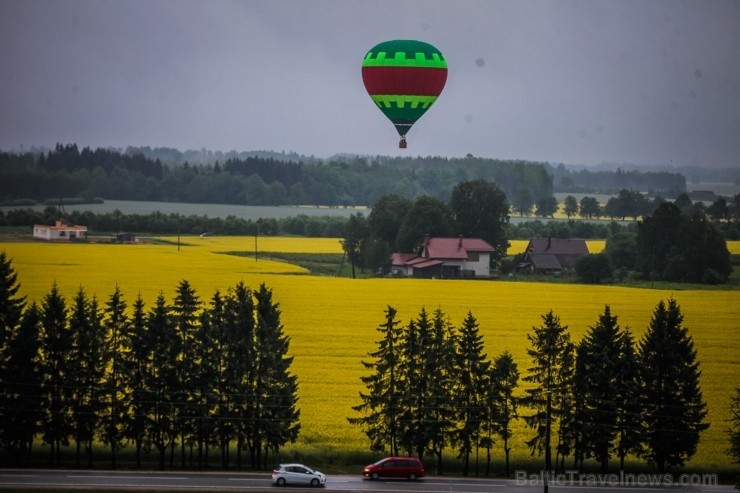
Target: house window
(473,256)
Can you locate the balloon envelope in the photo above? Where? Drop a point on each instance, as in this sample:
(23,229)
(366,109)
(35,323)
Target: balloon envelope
(404,78)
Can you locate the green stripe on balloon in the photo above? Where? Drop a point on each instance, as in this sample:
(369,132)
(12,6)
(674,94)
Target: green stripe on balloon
(400,60)
(401,101)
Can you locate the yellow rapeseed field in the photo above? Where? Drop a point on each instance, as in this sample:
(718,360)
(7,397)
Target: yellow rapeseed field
(332,321)
(518,246)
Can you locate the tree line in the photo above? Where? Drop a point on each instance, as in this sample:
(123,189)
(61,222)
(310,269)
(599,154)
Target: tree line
(431,388)
(278,179)
(187,375)
(673,241)
(633,204)
(666,183)
(670,244)
(171,224)
(68,171)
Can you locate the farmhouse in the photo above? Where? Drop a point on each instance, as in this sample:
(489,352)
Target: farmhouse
(552,255)
(60,232)
(445,257)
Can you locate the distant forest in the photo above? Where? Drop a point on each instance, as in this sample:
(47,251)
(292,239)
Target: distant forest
(265,178)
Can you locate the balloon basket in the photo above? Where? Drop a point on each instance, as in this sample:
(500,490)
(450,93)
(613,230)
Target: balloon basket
(402,143)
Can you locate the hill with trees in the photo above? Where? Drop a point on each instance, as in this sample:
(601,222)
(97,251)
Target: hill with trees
(268,178)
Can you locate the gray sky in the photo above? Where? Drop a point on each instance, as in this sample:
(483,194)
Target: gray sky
(578,82)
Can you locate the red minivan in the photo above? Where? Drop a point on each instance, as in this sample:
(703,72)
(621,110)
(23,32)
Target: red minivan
(395,467)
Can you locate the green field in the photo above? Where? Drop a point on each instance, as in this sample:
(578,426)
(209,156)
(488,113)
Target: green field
(332,321)
(248,212)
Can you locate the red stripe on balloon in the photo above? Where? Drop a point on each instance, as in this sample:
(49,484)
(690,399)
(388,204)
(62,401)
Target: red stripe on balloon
(416,81)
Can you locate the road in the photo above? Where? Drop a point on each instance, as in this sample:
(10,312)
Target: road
(250,482)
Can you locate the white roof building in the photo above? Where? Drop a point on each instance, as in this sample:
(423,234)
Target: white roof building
(60,232)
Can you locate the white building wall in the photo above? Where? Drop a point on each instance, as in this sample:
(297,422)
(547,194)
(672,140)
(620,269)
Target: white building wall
(481,267)
(42,233)
(55,234)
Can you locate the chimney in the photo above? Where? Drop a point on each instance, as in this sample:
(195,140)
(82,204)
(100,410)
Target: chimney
(549,240)
(459,243)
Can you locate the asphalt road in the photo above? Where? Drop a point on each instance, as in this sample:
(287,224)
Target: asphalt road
(249,482)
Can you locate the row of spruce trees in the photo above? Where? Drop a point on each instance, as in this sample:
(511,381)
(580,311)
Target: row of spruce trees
(431,388)
(188,376)
(191,376)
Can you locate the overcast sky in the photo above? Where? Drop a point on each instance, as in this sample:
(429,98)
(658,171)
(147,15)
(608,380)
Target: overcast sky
(578,82)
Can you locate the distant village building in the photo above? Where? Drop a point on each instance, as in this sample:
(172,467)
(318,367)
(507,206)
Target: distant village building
(445,257)
(124,238)
(60,232)
(552,255)
(703,195)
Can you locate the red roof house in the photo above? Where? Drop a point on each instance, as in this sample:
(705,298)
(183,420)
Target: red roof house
(445,257)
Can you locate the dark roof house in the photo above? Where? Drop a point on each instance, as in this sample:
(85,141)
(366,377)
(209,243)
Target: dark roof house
(552,255)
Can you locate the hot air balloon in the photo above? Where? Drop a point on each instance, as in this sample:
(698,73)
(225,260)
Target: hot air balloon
(404,78)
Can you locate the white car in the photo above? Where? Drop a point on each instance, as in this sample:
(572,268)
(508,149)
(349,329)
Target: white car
(297,474)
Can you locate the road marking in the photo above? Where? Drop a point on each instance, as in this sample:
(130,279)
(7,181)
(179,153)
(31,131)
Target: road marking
(136,486)
(128,477)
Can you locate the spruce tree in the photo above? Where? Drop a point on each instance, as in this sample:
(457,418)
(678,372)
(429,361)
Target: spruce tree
(566,406)
(160,378)
(504,379)
(413,409)
(581,433)
(440,373)
(379,405)
(601,361)
(674,409)
(276,388)
(629,424)
(57,343)
(11,305)
(21,409)
(223,426)
(551,353)
(117,344)
(408,374)
(136,369)
(471,370)
(11,310)
(87,367)
(185,310)
(240,365)
(205,382)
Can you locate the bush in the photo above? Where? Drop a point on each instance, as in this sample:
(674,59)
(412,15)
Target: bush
(594,268)
(711,276)
(507,265)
